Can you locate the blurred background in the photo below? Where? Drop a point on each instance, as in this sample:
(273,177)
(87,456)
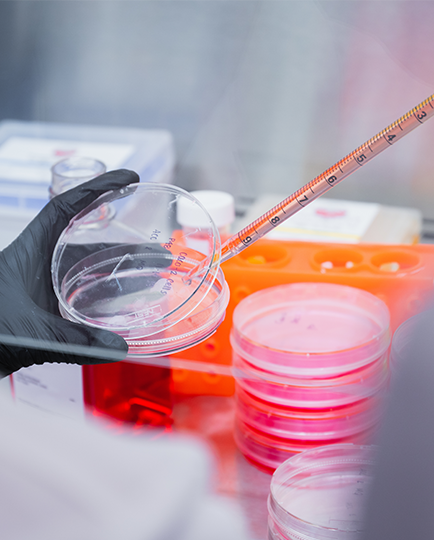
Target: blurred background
(260,96)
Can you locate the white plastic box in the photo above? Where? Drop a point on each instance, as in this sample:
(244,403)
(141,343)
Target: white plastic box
(29,149)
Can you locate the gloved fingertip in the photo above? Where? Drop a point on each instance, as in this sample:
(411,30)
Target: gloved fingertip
(112,342)
(132,176)
(119,177)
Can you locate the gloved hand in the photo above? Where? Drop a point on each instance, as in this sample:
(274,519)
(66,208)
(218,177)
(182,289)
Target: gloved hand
(31,328)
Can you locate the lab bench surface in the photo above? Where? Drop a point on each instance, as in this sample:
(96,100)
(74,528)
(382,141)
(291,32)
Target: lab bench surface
(211,419)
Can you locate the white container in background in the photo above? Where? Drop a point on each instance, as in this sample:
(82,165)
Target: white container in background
(220,206)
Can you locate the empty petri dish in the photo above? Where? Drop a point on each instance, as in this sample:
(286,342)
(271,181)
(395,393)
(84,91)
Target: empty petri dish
(310,330)
(321,493)
(124,262)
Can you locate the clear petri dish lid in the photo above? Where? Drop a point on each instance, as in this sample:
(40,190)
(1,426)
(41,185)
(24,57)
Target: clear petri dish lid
(322,492)
(124,262)
(310,330)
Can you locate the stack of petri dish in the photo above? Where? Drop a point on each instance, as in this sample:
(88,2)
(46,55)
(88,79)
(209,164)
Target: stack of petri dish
(311,368)
(321,494)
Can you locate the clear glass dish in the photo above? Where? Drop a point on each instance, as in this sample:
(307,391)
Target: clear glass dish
(123,264)
(321,493)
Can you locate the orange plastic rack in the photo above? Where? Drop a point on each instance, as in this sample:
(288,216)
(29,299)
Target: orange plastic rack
(402,276)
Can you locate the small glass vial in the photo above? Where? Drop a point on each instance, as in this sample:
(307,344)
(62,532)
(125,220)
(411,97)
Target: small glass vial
(220,206)
(72,171)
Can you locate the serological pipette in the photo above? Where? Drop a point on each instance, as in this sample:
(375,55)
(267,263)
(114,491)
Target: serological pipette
(327,180)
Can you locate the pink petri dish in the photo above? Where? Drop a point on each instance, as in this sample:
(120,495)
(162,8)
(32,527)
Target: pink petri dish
(310,330)
(269,452)
(311,367)
(308,425)
(339,391)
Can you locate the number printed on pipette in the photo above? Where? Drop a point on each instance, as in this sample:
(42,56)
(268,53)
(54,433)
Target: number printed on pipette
(361,158)
(246,240)
(420,116)
(303,201)
(332,179)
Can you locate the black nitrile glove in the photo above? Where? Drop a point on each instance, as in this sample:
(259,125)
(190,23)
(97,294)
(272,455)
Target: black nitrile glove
(31,328)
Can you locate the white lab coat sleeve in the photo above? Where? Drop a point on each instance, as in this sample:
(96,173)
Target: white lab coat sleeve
(64,479)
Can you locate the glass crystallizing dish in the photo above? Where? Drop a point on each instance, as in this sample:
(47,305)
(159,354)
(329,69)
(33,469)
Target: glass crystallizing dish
(311,367)
(121,264)
(321,494)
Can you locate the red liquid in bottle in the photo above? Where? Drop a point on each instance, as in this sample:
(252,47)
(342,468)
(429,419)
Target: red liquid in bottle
(133,393)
